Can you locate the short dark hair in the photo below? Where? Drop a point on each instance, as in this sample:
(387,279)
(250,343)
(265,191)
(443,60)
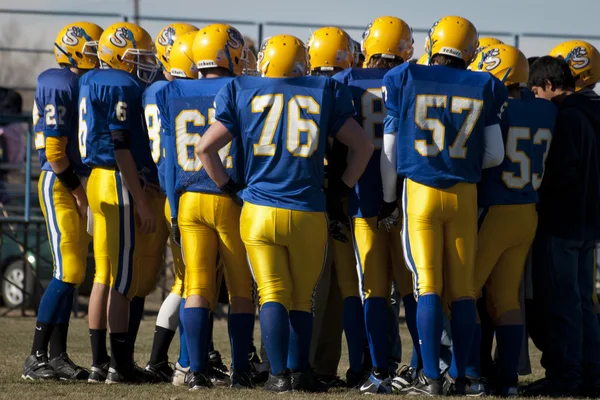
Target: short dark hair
(385,63)
(531,60)
(448,61)
(553,69)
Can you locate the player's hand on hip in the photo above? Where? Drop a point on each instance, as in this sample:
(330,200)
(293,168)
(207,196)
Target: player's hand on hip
(147,218)
(175,233)
(231,189)
(389,216)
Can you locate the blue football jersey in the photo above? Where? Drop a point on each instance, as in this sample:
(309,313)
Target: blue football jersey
(279,122)
(365,85)
(111,99)
(527,128)
(440,114)
(55,115)
(153,128)
(186,109)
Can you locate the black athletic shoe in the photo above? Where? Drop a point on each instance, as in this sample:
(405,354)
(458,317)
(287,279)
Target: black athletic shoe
(37,367)
(241,379)
(217,371)
(376,384)
(161,372)
(279,383)
(547,388)
(198,381)
(332,381)
(98,374)
(135,376)
(460,387)
(66,369)
(404,378)
(355,379)
(424,386)
(307,382)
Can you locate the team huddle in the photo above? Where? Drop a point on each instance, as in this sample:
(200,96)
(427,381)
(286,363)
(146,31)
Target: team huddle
(254,167)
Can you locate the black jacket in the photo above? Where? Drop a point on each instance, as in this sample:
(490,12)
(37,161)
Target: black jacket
(569,205)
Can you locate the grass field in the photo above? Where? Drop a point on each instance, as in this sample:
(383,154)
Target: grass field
(15,344)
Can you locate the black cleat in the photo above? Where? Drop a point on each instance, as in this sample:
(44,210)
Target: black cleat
(279,383)
(547,388)
(332,381)
(37,367)
(98,374)
(161,372)
(134,376)
(404,378)
(198,381)
(217,371)
(455,387)
(307,381)
(355,379)
(424,386)
(241,379)
(67,370)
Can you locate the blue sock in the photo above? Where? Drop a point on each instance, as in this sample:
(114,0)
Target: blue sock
(354,329)
(240,335)
(184,358)
(430,323)
(376,323)
(462,323)
(410,313)
(52,301)
(301,324)
(66,307)
(275,330)
(195,321)
(509,339)
(473,367)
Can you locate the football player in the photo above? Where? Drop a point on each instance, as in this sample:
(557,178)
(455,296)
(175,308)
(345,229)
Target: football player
(62,196)
(171,45)
(507,197)
(485,42)
(441,129)
(207,219)
(112,142)
(387,42)
(330,51)
(584,61)
(277,119)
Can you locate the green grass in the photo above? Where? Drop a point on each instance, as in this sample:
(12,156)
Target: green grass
(15,341)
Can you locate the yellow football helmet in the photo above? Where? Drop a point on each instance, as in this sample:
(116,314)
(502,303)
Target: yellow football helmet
(388,37)
(454,37)
(76,45)
(283,56)
(181,57)
(128,47)
(583,59)
(423,60)
(165,39)
(505,62)
(220,45)
(330,48)
(487,42)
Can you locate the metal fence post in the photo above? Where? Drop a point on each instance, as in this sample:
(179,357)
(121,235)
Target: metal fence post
(260,35)
(517,39)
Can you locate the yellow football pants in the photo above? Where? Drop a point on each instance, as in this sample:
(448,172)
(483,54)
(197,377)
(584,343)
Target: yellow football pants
(154,244)
(344,264)
(287,251)
(67,234)
(380,258)
(209,224)
(178,266)
(505,236)
(116,228)
(440,238)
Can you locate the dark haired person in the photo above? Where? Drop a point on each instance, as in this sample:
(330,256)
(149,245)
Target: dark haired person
(569,226)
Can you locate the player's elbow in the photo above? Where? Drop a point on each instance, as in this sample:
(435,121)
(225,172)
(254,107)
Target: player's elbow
(493,158)
(494,147)
(202,149)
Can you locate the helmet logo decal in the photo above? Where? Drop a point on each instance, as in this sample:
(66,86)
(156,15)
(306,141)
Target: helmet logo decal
(72,36)
(578,58)
(235,40)
(121,36)
(166,36)
(491,59)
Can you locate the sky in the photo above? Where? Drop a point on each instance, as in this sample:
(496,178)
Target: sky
(511,16)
